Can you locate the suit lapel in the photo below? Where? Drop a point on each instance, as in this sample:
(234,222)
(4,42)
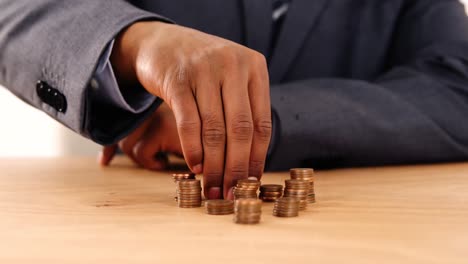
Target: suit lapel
(300,19)
(258,24)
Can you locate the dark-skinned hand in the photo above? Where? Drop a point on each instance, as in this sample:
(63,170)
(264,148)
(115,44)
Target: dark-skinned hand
(218,92)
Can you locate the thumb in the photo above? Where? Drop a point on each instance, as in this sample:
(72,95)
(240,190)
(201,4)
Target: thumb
(107,155)
(150,156)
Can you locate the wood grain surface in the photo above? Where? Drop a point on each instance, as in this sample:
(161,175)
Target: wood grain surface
(72,211)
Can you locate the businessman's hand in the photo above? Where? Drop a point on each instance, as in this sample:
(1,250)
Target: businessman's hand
(217,89)
(157,135)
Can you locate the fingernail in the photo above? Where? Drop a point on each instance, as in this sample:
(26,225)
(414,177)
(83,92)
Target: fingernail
(230,195)
(198,169)
(214,193)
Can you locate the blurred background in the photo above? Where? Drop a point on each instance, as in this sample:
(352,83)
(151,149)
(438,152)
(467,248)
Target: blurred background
(30,133)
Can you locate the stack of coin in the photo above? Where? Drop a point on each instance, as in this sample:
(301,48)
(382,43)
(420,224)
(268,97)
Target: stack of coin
(286,207)
(297,189)
(189,193)
(182,176)
(305,174)
(219,207)
(271,192)
(246,189)
(247,211)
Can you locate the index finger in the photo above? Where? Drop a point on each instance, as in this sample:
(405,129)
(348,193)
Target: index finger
(189,128)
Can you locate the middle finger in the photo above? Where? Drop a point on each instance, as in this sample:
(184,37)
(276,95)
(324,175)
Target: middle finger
(208,94)
(239,127)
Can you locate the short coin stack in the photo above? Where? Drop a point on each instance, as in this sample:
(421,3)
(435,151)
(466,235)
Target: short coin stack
(247,211)
(286,207)
(298,189)
(189,193)
(182,176)
(246,189)
(305,174)
(219,207)
(270,192)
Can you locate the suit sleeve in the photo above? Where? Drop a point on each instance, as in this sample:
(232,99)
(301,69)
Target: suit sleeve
(416,112)
(107,89)
(60,43)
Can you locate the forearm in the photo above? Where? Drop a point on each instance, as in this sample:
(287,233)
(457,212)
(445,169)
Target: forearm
(408,118)
(59,42)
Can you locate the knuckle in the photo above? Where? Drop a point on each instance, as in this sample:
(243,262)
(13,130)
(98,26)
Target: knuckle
(125,146)
(238,171)
(258,66)
(214,131)
(242,128)
(199,64)
(258,59)
(140,152)
(256,168)
(181,74)
(188,127)
(262,128)
(214,136)
(231,56)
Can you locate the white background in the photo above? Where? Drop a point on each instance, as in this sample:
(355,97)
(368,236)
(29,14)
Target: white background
(27,132)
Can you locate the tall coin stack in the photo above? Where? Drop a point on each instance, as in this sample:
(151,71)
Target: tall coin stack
(189,193)
(181,176)
(298,189)
(219,207)
(305,174)
(247,211)
(270,192)
(246,189)
(286,207)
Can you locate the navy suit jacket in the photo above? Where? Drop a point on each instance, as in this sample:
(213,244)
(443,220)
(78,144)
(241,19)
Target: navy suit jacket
(353,82)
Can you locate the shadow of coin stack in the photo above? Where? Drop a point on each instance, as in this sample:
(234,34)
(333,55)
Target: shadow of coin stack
(247,211)
(286,207)
(219,207)
(181,176)
(308,175)
(246,189)
(297,189)
(270,192)
(189,193)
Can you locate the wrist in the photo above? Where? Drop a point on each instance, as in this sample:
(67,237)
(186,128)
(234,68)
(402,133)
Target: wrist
(125,52)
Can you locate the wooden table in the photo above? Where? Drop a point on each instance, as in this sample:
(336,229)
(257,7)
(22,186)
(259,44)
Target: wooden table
(72,211)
